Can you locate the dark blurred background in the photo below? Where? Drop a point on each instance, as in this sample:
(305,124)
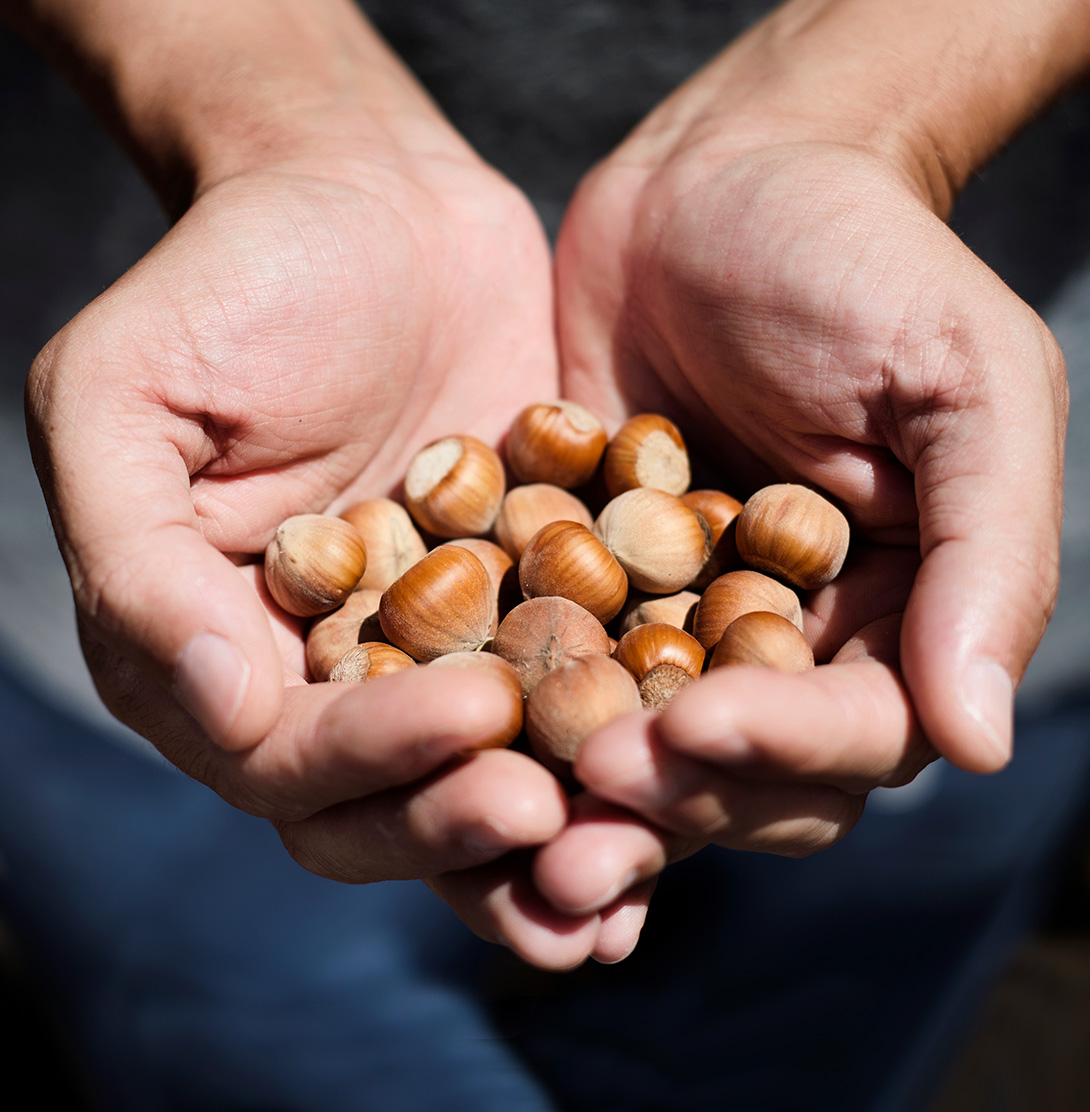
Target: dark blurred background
(74,215)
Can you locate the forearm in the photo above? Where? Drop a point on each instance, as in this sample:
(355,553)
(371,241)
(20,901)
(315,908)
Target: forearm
(940,85)
(197,90)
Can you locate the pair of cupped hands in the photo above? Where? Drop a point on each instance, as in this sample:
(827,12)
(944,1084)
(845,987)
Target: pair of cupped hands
(314,318)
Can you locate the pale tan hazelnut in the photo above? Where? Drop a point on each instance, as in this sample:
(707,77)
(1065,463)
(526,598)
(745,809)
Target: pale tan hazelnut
(443,604)
(764,639)
(655,537)
(555,442)
(791,531)
(676,610)
(662,659)
(313,563)
(543,633)
(721,512)
(737,593)
(646,451)
(369,660)
(525,509)
(454,487)
(571,702)
(491,665)
(565,558)
(333,634)
(502,571)
(393,544)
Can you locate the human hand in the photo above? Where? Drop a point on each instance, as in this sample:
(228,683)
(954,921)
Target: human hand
(346,285)
(769,269)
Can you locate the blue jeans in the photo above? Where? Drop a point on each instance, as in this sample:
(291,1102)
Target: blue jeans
(197,968)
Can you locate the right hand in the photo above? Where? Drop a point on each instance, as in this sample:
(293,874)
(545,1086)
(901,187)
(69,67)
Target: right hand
(308,324)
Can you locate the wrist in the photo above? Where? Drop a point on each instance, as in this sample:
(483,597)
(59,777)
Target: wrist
(934,89)
(203,90)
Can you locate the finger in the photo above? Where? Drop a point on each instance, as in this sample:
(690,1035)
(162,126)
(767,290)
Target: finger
(874,583)
(145,581)
(332,742)
(988,463)
(499,903)
(627,764)
(337,742)
(622,923)
(600,855)
(848,724)
(474,812)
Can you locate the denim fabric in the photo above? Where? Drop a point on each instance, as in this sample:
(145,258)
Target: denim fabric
(202,970)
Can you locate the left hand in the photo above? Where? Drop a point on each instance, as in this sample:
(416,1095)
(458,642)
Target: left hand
(796,305)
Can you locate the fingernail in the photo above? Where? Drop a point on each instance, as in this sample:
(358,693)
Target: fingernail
(619,958)
(487,840)
(211,680)
(988,695)
(659,784)
(606,898)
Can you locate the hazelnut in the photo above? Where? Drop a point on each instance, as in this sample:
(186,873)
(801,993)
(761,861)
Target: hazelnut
(655,537)
(565,558)
(445,603)
(525,509)
(676,610)
(662,658)
(368,661)
(333,634)
(766,639)
(313,563)
(571,702)
(737,593)
(543,633)
(720,511)
(454,487)
(555,442)
(496,666)
(646,451)
(393,544)
(793,532)
(502,571)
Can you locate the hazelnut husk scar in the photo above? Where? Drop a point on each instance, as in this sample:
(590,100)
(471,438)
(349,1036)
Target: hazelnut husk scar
(576,569)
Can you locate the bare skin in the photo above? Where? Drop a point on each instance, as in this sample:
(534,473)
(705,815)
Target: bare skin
(764,258)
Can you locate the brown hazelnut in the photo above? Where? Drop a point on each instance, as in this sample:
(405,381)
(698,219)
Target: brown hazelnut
(737,593)
(454,487)
(368,661)
(765,639)
(313,563)
(543,633)
(720,511)
(655,537)
(393,544)
(646,451)
(443,604)
(791,531)
(525,509)
(571,702)
(491,665)
(565,558)
(662,658)
(555,442)
(676,610)
(502,571)
(333,634)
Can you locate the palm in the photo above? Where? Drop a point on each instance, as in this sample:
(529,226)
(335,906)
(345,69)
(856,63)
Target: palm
(334,328)
(805,318)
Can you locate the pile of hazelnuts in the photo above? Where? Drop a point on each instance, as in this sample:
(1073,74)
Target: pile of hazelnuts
(584,615)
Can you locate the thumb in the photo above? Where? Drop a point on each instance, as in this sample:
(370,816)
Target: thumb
(148,585)
(989,491)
